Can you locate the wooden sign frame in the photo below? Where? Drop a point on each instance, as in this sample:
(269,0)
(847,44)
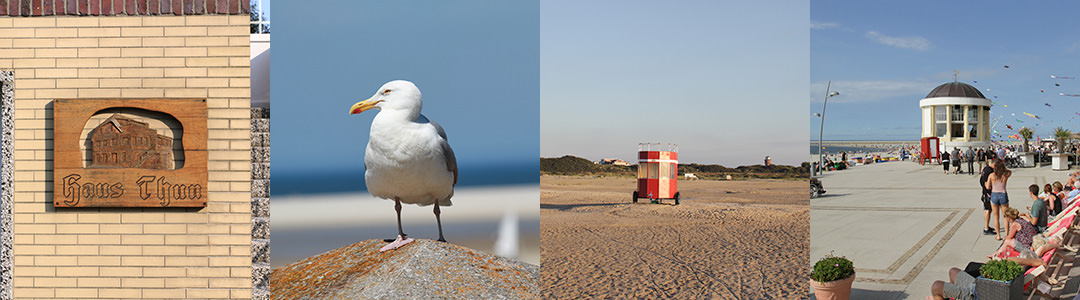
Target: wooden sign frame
(76,186)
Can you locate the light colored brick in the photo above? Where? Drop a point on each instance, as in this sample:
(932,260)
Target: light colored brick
(185,31)
(207,61)
(77,250)
(163,20)
(230,93)
(230,283)
(230,261)
(187,282)
(121,250)
(99,52)
(34,22)
(76,43)
(186,239)
(142,93)
(121,228)
(163,293)
(6,22)
(165,228)
(207,229)
(186,52)
(146,261)
(184,261)
(185,72)
(120,62)
(99,239)
(206,41)
(54,282)
(76,293)
(228,72)
(142,218)
(98,260)
(99,73)
(77,228)
(120,82)
(36,293)
(209,251)
(17,32)
(55,260)
(77,22)
(144,239)
(163,83)
(50,239)
(121,22)
(167,272)
(208,293)
(76,82)
(230,239)
(121,271)
(120,42)
(99,93)
(31,250)
(163,62)
(77,63)
(142,72)
(207,82)
(56,218)
(164,250)
(143,282)
(185,93)
(163,41)
(35,228)
(32,63)
(55,52)
(33,43)
(141,31)
(99,282)
(120,293)
(54,32)
(77,271)
(99,32)
(142,52)
(228,30)
(29,271)
(204,20)
(240,82)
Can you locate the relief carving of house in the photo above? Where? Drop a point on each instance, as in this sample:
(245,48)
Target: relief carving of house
(121,142)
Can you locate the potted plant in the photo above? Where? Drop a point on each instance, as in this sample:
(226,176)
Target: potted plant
(1026,133)
(832,277)
(1000,279)
(1061,135)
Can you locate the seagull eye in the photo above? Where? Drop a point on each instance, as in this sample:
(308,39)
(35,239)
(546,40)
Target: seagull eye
(387,91)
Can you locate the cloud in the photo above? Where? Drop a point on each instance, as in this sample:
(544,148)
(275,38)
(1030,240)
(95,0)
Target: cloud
(912,42)
(823,25)
(871,90)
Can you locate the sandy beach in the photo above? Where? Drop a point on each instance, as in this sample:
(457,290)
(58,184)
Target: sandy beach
(727,240)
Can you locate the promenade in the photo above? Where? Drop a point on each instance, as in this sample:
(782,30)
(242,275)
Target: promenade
(904,224)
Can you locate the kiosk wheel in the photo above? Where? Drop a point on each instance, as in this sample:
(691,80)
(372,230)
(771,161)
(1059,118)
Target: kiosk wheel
(635,196)
(676,198)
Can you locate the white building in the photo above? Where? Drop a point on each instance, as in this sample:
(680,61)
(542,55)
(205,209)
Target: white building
(958,114)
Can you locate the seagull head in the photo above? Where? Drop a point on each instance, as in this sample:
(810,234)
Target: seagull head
(397,95)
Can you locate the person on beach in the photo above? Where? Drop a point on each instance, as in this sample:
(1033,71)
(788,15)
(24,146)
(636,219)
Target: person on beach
(1038,209)
(985,197)
(980,157)
(969,157)
(1021,232)
(956,159)
(1053,203)
(999,197)
(945,161)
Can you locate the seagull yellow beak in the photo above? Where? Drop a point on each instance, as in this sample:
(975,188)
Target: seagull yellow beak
(361,106)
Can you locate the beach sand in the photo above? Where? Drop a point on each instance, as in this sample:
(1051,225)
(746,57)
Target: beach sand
(728,239)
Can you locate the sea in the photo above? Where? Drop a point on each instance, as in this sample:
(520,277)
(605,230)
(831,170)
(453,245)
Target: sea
(352,180)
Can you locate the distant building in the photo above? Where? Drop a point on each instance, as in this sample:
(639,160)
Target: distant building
(126,143)
(958,115)
(768,161)
(612,161)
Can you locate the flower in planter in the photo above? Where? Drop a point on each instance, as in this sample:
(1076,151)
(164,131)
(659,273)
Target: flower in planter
(831,268)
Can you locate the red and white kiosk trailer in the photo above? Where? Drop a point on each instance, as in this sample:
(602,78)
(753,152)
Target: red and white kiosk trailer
(658,170)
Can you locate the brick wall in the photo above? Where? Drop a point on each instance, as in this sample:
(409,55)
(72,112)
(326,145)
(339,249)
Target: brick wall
(131,253)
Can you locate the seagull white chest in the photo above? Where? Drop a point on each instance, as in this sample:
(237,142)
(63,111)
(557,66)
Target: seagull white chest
(405,160)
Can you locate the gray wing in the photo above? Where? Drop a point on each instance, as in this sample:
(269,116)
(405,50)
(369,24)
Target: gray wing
(448,154)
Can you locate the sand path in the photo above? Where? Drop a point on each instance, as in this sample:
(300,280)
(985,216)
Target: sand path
(727,240)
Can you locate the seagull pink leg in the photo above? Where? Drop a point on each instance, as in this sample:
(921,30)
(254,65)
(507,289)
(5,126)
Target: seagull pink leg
(401,240)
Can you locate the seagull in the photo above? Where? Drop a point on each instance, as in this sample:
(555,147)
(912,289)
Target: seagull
(407,159)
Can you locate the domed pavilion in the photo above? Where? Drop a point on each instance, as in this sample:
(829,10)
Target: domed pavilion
(958,115)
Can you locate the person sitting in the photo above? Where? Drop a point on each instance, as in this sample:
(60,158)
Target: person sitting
(1020,234)
(1039,212)
(1053,204)
(1059,192)
(1075,190)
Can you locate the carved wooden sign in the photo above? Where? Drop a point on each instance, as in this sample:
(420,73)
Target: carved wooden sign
(128,163)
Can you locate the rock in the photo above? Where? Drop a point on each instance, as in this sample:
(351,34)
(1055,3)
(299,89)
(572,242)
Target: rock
(423,269)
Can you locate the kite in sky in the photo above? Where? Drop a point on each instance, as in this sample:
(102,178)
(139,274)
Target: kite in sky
(1070,95)
(1048,105)
(1031,115)
(1062,77)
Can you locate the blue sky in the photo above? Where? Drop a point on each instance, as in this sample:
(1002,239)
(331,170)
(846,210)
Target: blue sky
(476,63)
(885,56)
(726,80)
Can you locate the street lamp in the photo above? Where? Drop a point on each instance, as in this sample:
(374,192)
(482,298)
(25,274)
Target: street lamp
(821,149)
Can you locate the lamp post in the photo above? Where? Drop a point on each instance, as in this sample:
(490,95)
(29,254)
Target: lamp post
(821,149)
